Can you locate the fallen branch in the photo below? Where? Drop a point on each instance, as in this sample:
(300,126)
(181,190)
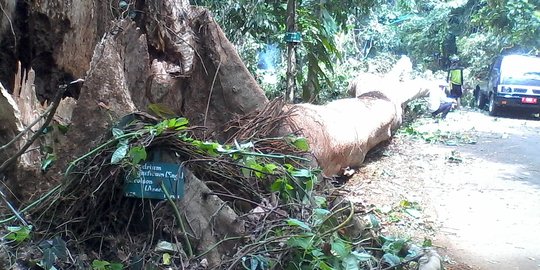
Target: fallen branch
(180,221)
(15,212)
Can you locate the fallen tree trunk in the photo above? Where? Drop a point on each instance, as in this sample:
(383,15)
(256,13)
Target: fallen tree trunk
(399,92)
(342,132)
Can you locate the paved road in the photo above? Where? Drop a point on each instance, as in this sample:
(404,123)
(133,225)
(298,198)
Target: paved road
(489,204)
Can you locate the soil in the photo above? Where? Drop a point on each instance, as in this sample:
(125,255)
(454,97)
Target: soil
(469,183)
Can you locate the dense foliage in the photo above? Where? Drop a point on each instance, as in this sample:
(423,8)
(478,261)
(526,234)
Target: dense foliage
(339,37)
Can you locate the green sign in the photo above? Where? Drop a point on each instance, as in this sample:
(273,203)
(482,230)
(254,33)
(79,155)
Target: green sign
(147,183)
(293,37)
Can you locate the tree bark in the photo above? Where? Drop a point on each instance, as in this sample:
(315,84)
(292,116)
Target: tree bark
(343,131)
(291,52)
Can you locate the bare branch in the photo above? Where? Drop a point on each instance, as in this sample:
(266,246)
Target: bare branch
(15,212)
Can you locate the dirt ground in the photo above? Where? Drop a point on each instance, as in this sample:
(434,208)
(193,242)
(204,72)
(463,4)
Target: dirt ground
(470,184)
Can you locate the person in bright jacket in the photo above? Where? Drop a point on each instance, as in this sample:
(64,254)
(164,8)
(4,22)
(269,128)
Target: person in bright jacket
(438,102)
(455,80)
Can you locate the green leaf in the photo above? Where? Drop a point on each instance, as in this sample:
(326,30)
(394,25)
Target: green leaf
(166,257)
(317,253)
(350,263)
(405,204)
(48,161)
(59,248)
(18,233)
(301,143)
(119,154)
(427,243)
(48,259)
(137,154)
(324,266)
(251,163)
(309,185)
(304,242)
(374,221)
(391,259)
(269,168)
(298,223)
(319,214)
(320,201)
(117,133)
(62,128)
(277,185)
(302,173)
(210,148)
(116,266)
(100,265)
(341,248)
(290,168)
(176,123)
(171,123)
(257,168)
(394,245)
(52,249)
(362,257)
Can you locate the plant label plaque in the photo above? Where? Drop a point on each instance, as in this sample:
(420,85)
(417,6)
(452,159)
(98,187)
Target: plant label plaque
(147,183)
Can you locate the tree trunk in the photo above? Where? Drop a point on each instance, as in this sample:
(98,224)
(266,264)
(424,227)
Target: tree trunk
(343,131)
(291,52)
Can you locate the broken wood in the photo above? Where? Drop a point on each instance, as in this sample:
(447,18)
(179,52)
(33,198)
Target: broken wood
(36,135)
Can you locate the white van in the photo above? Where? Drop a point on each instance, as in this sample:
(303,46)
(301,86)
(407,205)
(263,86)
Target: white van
(513,83)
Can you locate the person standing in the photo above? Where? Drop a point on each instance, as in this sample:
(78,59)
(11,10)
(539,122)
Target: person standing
(438,103)
(455,80)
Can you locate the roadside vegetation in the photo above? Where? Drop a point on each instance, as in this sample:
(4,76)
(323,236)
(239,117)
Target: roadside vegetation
(342,38)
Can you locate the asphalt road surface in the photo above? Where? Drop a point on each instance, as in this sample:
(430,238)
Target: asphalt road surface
(489,203)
